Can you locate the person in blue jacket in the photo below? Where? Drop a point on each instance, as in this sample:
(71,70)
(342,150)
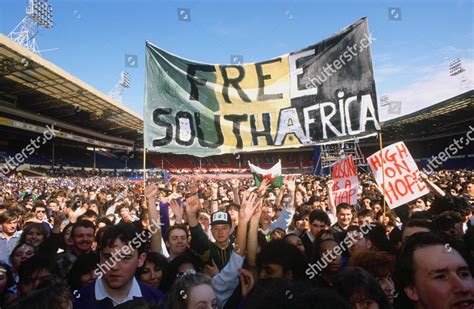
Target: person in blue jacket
(122,253)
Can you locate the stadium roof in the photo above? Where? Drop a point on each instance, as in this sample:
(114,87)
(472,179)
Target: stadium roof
(447,118)
(35,89)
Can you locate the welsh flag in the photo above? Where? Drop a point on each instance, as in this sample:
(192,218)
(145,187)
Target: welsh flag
(273,174)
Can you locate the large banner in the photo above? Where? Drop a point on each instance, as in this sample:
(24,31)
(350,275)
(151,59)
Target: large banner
(400,181)
(323,93)
(346,182)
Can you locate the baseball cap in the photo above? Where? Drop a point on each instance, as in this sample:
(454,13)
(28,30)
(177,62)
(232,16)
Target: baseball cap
(220,217)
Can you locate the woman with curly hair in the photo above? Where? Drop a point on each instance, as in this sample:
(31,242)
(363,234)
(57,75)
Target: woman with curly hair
(381,266)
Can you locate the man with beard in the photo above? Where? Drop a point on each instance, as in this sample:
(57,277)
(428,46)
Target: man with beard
(82,235)
(122,253)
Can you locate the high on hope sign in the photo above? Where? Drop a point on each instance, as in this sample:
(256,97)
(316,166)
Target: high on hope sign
(402,184)
(344,175)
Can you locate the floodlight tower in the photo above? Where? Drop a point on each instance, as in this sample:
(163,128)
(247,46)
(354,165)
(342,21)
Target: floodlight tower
(456,69)
(124,82)
(38,13)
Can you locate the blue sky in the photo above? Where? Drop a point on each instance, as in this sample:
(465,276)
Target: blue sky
(410,56)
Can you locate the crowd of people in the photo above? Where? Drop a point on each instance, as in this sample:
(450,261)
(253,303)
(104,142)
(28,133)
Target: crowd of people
(109,242)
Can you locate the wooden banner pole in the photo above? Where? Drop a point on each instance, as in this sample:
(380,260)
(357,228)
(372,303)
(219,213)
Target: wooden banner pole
(383,173)
(144,175)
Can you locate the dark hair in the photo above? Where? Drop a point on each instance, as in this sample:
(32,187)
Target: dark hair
(10,280)
(405,270)
(317,247)
(417,223)
(52,200)
(446,220)
(127,233)
(343,206)
(282,253)
(282,294)
(106,221)
(176,227)
(19,245)
(172,274)
(366,213)
(353,281)
(63,233)
(35,264)
(421,215)
(83,265)
(51,293)
(82,223)
(378,237)
(8,216)
(39,226)
(445,203)
(319,215)
(377,263)
(38,205)
(88,214)
(157,259)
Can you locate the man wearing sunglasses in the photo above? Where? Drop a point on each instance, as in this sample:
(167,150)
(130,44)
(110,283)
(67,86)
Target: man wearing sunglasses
(39,211)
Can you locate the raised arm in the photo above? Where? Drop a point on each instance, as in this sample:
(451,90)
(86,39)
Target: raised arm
(153,218)
(288,207)
(431,185)
(332,206)
(214,197)
(227,280)
(199,239)
(252,239)
(235,185)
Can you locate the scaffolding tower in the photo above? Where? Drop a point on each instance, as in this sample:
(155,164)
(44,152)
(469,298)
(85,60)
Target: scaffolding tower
(330,153)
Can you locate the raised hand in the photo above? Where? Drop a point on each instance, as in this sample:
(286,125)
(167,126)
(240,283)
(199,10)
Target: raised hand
(247,281)
(291,183)
(58,217)
(193,187)
(264,185)
(151,191)
(235,183)
(247,206)
(211,271)
(423,176)
(257,212)
(330,184)
(177,209)
(214,189)
(192,205)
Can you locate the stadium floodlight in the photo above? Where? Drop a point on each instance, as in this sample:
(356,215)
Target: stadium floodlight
(125,81)
(455,67)
(384,101)
(41,11)
(38,13)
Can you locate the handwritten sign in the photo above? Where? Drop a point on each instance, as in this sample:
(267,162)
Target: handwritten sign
(344,175)
(401,175)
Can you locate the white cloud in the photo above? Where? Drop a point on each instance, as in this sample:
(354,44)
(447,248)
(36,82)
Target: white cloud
(430,89)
